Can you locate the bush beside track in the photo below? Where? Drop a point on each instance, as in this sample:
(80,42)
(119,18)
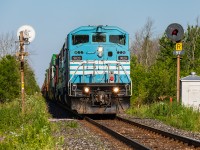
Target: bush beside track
(29,131)
(174,114)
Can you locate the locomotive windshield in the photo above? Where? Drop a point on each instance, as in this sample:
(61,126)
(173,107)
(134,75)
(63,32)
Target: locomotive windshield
(119,39)
(99,38)
(78,39)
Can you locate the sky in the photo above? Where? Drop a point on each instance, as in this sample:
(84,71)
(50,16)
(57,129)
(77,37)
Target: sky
(52,20)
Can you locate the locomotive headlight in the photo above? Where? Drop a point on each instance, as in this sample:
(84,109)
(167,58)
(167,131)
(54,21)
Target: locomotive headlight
(86,90)
(100,51)
(116,90)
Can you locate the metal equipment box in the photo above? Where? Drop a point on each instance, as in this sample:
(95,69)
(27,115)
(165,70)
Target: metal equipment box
(190,91)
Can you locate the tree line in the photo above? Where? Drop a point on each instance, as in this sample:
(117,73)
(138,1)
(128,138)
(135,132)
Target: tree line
(153,65)
(10,85)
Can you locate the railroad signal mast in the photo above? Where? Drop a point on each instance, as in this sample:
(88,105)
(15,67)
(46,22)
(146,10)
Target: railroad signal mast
(26,35)
(175,33)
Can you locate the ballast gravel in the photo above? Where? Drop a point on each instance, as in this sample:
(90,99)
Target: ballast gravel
(78,138)
(159,125)
(82,138)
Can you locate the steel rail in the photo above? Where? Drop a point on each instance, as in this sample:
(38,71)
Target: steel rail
(189,141)
(127,141)
(69,110)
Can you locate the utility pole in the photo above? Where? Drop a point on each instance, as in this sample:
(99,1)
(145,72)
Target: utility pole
(22,54)
(178,78)
(179,51)
(26,35)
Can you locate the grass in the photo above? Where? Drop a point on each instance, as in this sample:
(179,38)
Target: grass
(30,130)
(172,114)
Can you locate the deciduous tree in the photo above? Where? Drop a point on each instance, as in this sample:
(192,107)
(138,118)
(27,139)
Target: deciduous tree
(7,44)
(145,47)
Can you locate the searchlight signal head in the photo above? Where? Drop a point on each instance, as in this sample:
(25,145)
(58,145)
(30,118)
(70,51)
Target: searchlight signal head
(175,32)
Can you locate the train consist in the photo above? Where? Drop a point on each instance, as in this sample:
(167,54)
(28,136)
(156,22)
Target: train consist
(91,74)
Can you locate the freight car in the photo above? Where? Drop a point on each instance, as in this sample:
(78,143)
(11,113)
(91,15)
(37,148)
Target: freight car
(91,73)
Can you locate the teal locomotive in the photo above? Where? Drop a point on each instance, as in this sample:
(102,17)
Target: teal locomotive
(91,73)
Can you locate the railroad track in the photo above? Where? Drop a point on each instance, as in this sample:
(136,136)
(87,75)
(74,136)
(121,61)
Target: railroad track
(138,136)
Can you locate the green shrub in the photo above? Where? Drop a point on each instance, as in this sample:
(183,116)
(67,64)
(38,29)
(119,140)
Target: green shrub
(9,79)
(31,85)
(29,131)
(173,114)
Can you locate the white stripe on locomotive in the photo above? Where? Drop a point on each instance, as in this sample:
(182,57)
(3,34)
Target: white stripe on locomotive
(99,67)
(98,72)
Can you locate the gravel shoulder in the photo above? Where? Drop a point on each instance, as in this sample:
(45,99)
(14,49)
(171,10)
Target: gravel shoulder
(71,134)
(160,125)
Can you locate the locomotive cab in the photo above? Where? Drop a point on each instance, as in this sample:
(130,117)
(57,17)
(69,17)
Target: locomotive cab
(99,64)
(91,73)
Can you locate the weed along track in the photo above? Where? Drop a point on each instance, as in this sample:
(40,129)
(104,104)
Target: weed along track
(142,137)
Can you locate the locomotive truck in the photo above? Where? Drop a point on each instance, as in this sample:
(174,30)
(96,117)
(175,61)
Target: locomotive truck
(91,72)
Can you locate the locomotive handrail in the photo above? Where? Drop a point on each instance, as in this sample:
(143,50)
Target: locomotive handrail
(69,85)
(127,76)
(83,63)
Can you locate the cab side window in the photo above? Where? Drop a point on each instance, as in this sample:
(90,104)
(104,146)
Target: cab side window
(98,38)
(118,39)
(80,39)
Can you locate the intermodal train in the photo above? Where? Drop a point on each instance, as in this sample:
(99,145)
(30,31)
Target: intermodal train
(91,72)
